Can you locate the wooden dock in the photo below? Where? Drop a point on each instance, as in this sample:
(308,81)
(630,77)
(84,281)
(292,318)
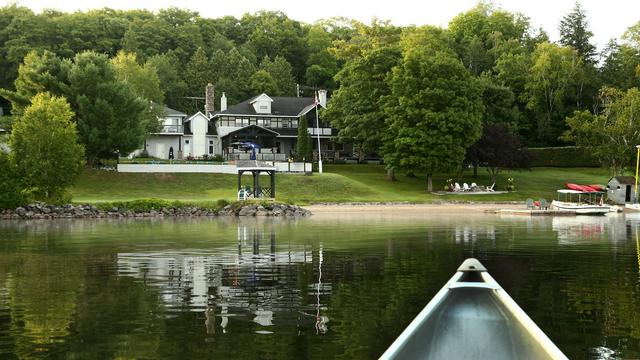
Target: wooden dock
(529,212)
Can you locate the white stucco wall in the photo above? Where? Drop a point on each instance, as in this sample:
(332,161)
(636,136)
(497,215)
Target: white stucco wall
(158,146)
(199,126)
(205,168)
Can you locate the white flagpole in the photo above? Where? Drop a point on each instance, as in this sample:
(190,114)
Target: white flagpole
(318,134)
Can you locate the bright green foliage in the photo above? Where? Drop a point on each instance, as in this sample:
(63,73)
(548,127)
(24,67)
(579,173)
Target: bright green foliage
(45,148)
(304,146)
(574,32)
(144,82)
(12,192)
(620,65)
(552,76)
(612,134)
(434,112)
(262,82)
(143,79)
(355,108)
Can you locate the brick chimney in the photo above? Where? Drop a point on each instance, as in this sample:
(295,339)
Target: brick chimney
(223,102)
(209,97)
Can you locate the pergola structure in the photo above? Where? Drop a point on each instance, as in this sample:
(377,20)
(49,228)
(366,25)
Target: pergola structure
(256,168)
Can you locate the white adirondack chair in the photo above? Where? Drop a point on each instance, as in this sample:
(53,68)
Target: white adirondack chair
(465,187)
(456,187)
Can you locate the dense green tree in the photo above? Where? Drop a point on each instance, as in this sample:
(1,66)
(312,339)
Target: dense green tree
(12,187)
(498,149)
(552,76)
(356,107)
(612,133)
(619,66)
(272,33)
(110,115)
(44,145)
(282,73)
(304,144)
(434,112)
(322,65)
(574,32)
(171,83)
(262,82)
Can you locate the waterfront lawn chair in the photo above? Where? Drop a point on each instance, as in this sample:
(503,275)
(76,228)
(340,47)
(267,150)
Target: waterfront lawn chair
(473,186)
(456,187)
(465,187)
(490,188)
(543,204)
(530,205)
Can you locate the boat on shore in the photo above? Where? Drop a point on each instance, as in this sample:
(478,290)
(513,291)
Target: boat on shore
(472,317)
(587,204)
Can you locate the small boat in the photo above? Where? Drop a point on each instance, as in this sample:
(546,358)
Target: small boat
(590,207)
(472,317)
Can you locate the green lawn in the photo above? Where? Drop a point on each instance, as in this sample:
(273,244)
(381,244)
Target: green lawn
(339,183)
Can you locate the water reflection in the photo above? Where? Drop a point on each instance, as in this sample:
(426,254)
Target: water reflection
(315,288)
(254,279)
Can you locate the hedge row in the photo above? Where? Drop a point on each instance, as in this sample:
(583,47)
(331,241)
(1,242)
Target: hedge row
(568,156)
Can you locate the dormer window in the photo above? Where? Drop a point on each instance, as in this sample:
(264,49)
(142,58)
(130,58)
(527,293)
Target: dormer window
(262,104)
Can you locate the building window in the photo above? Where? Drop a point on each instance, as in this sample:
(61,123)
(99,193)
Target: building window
(210,149)
(186,141)
(263,107)
(210,142)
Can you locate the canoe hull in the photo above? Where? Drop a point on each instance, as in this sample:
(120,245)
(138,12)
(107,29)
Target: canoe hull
(472,317)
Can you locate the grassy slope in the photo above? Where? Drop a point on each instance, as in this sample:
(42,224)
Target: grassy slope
(340,183)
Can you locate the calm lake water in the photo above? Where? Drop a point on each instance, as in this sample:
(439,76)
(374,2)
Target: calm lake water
(322,287)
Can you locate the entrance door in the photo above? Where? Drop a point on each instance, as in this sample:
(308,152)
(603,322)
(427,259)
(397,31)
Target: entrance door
(187,148)
(627,195)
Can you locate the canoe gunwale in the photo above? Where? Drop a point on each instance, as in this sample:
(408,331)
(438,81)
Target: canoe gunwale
(488,284)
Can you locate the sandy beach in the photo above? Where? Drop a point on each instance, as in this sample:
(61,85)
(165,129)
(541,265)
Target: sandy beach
(410,209)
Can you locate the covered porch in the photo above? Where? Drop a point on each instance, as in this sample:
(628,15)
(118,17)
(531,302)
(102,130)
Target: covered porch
(258,135)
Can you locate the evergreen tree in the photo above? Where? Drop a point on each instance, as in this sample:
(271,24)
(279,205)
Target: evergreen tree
(574,32)
(304,146)
(198,74)
(262,82)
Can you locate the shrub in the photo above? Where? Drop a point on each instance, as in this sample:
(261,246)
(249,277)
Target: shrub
(12,193)
(45,148)
(568,156)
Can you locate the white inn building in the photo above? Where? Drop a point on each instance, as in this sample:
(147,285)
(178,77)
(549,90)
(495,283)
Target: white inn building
(269,122)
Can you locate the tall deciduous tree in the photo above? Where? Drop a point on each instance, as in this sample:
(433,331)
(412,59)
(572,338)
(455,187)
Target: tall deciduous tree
(282,73)
(611,135)
(551,77)
(198,73)
(355,108)
(45,147)
(434,112)
(262,82)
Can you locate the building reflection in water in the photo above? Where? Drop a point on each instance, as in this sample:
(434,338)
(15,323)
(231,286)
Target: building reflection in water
(253,279)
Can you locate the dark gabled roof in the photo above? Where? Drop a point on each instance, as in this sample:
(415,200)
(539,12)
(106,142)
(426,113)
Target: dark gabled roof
(281,105)
(253,128)
(167,110)
(627,180)
(171,112)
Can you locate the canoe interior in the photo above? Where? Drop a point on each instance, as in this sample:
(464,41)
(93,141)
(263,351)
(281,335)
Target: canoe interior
(471,323)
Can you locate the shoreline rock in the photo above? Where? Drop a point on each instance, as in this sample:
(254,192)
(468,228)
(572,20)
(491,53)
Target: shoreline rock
(42,211)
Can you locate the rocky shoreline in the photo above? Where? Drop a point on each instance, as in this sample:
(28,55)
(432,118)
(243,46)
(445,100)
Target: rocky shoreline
(88,211)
